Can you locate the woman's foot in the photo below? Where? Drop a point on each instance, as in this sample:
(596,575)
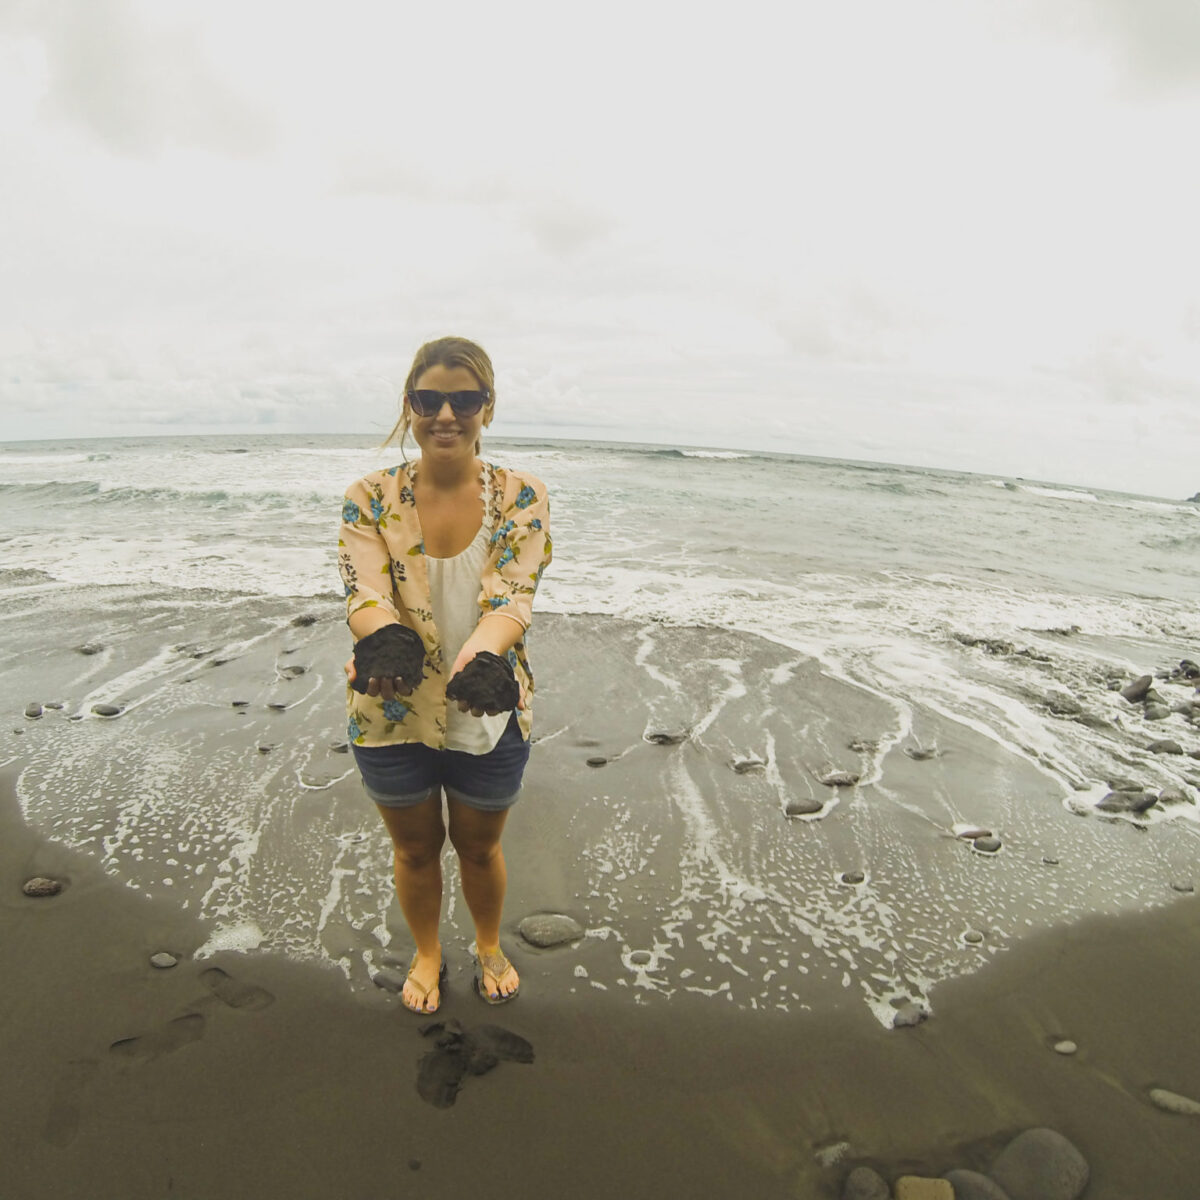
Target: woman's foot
(422,989)
(498,980)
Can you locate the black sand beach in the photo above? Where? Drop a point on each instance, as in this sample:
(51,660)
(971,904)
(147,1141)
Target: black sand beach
(720,1028)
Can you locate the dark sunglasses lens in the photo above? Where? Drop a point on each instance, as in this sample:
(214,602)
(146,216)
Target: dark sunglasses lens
(427,403)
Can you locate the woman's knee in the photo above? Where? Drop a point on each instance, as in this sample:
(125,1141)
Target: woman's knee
(415,853)
(478,851)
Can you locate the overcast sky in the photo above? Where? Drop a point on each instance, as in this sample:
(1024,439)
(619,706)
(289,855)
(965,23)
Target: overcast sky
(937,232)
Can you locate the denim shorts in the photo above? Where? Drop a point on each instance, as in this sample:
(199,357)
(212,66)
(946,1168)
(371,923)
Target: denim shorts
(402,775)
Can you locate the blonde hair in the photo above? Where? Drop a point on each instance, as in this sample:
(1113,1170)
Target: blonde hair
(446,352)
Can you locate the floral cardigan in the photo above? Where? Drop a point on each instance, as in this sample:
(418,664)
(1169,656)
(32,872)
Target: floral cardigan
(381,557)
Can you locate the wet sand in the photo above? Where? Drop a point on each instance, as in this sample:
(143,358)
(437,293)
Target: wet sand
(723,1025)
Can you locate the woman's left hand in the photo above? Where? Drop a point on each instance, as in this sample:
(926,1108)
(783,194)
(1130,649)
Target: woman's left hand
(465,655)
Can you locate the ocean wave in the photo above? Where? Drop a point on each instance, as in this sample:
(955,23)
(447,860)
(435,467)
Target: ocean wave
(674,453)
(1059,493)
(60,491)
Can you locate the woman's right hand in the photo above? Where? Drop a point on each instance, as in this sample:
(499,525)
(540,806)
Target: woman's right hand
(387,689)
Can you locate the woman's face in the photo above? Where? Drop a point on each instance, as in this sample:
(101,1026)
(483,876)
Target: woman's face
(446,435)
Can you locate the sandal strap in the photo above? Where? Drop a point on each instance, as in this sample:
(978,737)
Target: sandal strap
(412,966)
(495,963)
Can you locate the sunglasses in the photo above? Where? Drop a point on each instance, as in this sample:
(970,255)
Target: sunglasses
(427,403)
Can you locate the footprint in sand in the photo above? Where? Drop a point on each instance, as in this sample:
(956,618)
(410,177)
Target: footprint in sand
(237,995)
(172,1035)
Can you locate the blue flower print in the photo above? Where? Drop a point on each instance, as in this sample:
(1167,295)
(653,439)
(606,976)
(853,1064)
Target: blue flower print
(502,532)
(406,496)
(535,524)
(512,659)
(350,512)
(392,471)
(525,497)
(495,602)
(349,590)
(352,729)
(505,558)
(394,710)
(376,507)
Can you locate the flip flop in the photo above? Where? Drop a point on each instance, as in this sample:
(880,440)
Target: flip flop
(441,983)
(495,964)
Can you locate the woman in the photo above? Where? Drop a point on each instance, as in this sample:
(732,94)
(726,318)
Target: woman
(452,548)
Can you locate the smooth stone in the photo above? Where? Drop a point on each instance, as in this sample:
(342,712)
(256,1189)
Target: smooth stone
(745,765)
(391,979)
(162,960)
(989,845)
(839,779)
(278,707)
(1174,1103)
(1063,704)
(241,704)
(91,648)
(1041,1164)
(1165,746)
(292,672)
(1127,802)
(550,929)
(865,1184)
(1174,795)
(1066,1046)
(970,1185)
(852,877)
(908,1015)
(917,1187)
(1157,712)
(55,704)
(1193,754)
(1121,784)
(304,619)
(1135,691)
(106,710)
(972,937)
(1049,861)
(641,958)
(921,753)
(862,745)
(596,760)
(1184,885)
(975,831)
(33,710)
(802,807)
(662,737)
(39,885)
(340,747)
(266,749)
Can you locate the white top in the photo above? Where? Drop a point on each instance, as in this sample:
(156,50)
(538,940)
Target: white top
(454,589)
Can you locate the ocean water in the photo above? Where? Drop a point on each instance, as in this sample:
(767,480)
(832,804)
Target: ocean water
(945,601)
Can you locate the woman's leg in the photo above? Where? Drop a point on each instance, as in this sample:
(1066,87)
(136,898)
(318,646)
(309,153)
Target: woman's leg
(418,834)
(476,837)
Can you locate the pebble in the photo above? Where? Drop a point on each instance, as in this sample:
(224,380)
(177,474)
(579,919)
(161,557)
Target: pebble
(39,885)
(974,831)
(241,704)
(163,960)
(865,1184)
(1041,1164)
(304,619)
(1173,1102)
(852,877)
(972,937)
(839,779)
(33,710)
(596,761)
(641,958)
(340,747)
(862,745)
(278,707)
(1165,746)
(970,1185)
(1174,795)
(921,753)
(1127,802)
(106,710)
(1184,885)
(917,1187)
(908,1015)
(744,765)
(1066,1046)
(292,672)
(54,704)
(802,807)
(989,845)
(91,648)
(1049,860)
(1157,712)
(1135,691)
(1063,704)
(391,979)
(662,737)
(550,929)
(266,749)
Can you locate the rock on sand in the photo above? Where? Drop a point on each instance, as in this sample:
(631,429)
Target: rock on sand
(1041,1164)
(970,1185)
(550,929)
(864,1184)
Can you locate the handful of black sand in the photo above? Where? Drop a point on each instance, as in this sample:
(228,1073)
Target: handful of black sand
(393,652)
(486,682)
